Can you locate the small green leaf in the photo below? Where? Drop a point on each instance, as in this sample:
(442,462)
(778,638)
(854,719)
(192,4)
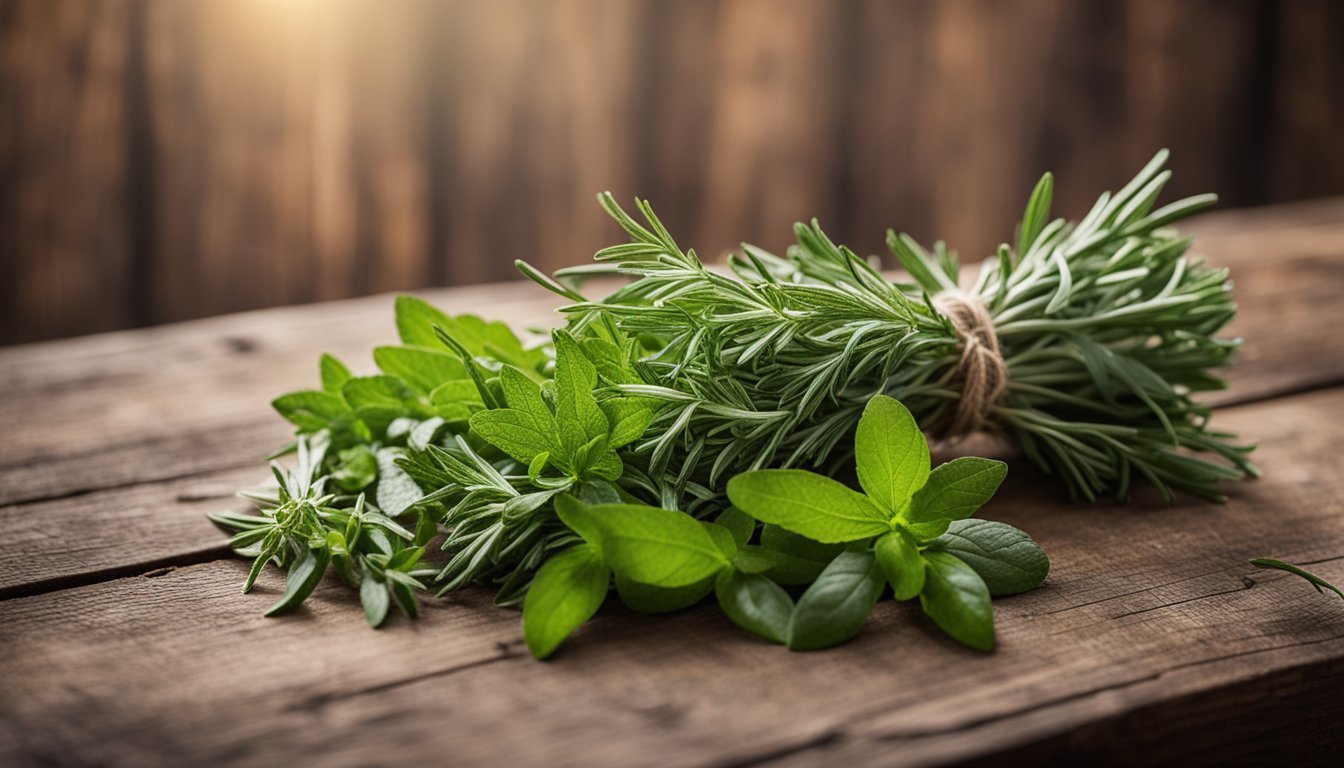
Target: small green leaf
(645,598)
(653,546)
(1007,559)
(312,410)
(837,604)
(738,523)
(334,373)
(514,433)
(891,454)
(957,600)
(627,419)
(422,369)
(807,504)
(304,576)
(396,490)
(578,418)
(375,599)
(416,319)
(901,563)
(755,604)
(955,491)
(568,589)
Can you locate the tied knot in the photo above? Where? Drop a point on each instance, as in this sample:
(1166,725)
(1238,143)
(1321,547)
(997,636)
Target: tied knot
(981,372)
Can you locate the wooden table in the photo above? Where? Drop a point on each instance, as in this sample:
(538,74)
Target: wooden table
(126,641)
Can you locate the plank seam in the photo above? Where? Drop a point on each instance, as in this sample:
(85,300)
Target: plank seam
(148,568)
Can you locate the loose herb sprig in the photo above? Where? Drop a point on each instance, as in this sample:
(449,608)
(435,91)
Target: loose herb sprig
(1316,581)
(557,468)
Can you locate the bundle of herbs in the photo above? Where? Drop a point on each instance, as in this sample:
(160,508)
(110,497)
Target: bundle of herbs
(688,434)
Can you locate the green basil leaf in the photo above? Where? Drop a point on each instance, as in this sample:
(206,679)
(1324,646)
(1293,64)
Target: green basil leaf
(567,590)
(781,540)
(755,604)
(779,567)
(837,604)
(375,599)
(957,600)
(645,598)
(900,560)
(807,504)
(1007,559)
(304,576)
(891,454)
(955,491)
(658,547)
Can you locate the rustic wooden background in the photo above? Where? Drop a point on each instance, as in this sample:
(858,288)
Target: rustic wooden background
(163,160)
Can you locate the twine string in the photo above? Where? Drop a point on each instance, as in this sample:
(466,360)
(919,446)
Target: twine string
(981,373)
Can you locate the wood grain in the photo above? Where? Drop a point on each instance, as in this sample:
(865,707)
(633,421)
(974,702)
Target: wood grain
(167,160)
(1145,607)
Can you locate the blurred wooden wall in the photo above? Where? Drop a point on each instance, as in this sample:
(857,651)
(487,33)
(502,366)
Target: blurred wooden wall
(166,159)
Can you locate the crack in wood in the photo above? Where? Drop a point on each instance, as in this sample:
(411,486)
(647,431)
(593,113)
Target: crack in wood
(148,568)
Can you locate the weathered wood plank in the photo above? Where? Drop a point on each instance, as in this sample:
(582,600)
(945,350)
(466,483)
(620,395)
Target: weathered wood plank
(1145,606)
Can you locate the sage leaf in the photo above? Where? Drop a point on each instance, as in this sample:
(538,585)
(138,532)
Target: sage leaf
(1006,558)
(422,369)
(374,598)
(567,591)
(807,504)
(837,604)
(333,372)
(755,604)
(957,600)
(891,454)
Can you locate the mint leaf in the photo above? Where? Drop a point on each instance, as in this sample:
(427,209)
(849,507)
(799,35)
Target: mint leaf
(807,504)
(890,453)
(901,563)
(955,491)
(333,372)
(512,432)
(957,600)
(644,598)
(1007,559)
(658,547)
(837,604)
(627,419)
(422,369)
(577,415)
(567,591)
(455,401)
(755,604)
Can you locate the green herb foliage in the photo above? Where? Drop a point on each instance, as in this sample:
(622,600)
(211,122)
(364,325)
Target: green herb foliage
(682,437)
(1316,581)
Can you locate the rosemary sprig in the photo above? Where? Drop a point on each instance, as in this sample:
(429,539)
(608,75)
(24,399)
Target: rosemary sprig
(1107,329)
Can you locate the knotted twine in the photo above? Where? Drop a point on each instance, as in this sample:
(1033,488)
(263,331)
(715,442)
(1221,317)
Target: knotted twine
(981,374)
